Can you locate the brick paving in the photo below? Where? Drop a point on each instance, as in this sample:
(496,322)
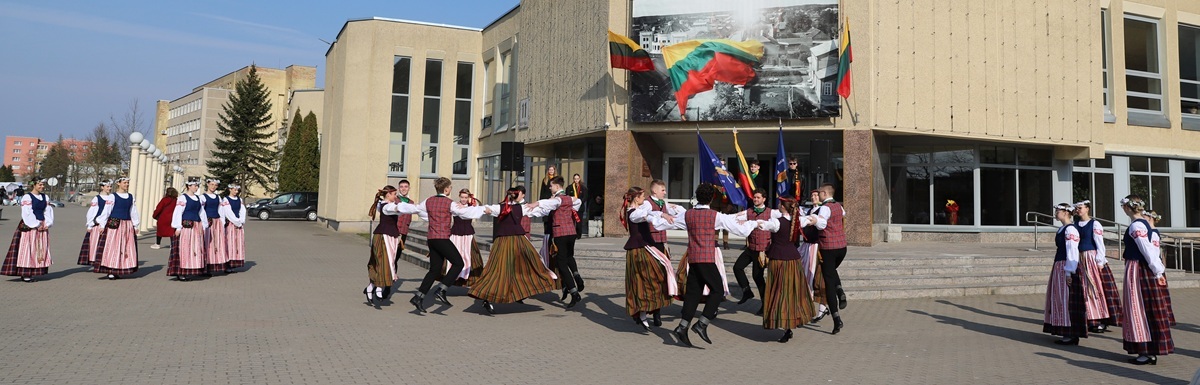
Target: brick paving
(297,316)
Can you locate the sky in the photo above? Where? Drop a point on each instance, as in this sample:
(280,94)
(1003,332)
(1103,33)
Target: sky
(69,65)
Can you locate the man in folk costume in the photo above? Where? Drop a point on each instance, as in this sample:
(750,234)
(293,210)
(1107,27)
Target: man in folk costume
(214,236)
(658,203)
(563,214)
(756,244)
(95,230)
(439,210)
(117,254)
(705,271)
(29,253)
(832,244)
(402,224)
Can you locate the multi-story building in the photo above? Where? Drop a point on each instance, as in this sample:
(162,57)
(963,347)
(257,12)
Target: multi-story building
(187,126)
(1003,110)
(20,152)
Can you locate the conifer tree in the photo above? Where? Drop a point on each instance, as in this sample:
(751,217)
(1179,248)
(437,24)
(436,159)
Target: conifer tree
(300,162)
(244,151)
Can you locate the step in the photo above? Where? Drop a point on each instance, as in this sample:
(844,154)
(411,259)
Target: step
(950,280)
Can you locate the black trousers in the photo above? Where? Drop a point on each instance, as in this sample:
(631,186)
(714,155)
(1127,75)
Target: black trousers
(748,257)
(566,260)
(701,275)
(830,260)
(440,251)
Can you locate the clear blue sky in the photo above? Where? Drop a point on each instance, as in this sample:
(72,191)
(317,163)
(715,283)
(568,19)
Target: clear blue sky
(68,65)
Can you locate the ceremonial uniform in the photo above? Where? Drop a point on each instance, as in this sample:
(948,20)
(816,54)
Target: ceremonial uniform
(514,270)
(1065,311)
(1147,318)
(187,245)
(233,211)
(385,243)
(117,253)
(1100,292)
(29,253)
(702,270)
(786,302)
(563,213)
(215,249)
(756,243)
(650,281)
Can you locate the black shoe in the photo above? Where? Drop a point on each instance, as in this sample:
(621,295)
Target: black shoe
(841,296)
(657,319)
(645,324)
(1095,330)
(417,301)
(26,279)
(681,334)
(181,278)
(819,316)
(229,271)
(701,330)
(489,307)
(574,300)
(370,297)
(747,294)
(786,336)
(1074,341)
(112,277)
(1144,360)
(441,296)
(837,325)
(760,310)
(564,297)
(521,301)
(578,282)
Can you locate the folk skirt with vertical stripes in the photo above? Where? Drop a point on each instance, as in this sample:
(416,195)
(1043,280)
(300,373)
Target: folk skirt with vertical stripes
(187,252)
(235,242)
(810,258)
(468,249)
(23,254)
(381,268)
(514,271)
(1093,289)
(648,281)
(786,302)
(1065,314)
(1146,323)
(118,254)
(91,241)
(215,250)
(1112,298)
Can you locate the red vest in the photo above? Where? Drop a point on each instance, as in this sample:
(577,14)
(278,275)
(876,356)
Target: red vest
(834,235)
(564,217)
(702,240)
(760,239)
(404,221)
(657,236)
(440,219)
(526,223)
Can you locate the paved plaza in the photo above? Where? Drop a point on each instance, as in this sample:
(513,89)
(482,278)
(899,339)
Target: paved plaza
(296,315)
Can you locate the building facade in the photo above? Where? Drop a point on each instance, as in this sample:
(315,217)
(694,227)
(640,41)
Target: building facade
(1002,110)
(20,152)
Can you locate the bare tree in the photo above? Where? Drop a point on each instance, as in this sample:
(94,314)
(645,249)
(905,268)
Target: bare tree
(130,122)
(103,158)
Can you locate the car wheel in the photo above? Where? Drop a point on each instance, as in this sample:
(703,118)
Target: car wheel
(311,216)
(264,215)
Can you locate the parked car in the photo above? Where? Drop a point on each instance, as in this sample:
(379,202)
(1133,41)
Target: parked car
(252,209)
(56,203)
(290,205)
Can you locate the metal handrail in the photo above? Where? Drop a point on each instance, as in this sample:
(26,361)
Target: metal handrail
(1179,244)
(1032,217)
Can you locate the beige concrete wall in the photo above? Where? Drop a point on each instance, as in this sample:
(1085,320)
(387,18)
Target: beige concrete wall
(162,109)
(357,107)
(305,101)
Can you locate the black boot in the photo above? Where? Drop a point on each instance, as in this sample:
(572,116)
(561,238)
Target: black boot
(701,329)
(574,300)
(564,296)
(1073,341)
(837,324)
(760,310)
(747,294)
(657,318)
(841,295)
(488,306)
(440,295)
(681,333)
(418,301)
(787,335)
(578,282)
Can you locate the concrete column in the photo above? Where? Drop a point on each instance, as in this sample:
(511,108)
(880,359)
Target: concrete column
(858,171)
(135,160)
(630,160)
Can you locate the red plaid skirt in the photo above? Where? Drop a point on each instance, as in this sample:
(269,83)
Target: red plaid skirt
(1154,309)
(87,252)
(1112,298)
(10,260)
(195,234)
(1076,308)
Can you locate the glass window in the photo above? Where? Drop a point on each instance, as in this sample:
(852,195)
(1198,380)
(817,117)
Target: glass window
(462,84)
(957,184)
(1103,199)
(910,195)
(1035,192)
(299,198)
(681,180)
(1077,163)
(1143,74)
(1104,41)
(1034,157)
(401,70)
(910,154)
(1189,70)
(1159,165)
(1104,163)
(398,127)
(954,154)
(1139,163)
(433,78)
(1192,166)
(283,199)
(502,89)
(429,134)
(1160,198)
(997,155)
(999,192)
(1191,193)
(462,118)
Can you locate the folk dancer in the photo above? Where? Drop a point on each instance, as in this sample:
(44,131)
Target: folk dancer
(233,212)
(787,302)
(702,267)
(385,242)
(806,237)
(514,270)
(658,202)
(650,282)
(118,254)
(462,234)
(214,235)
(563,213)
(29,253)
(187,245)
(403,222)
(95,230)
(439,210)
(831,242)
(1147,318)
(756,244)
(527,223)
(1104,306)
(1065,311)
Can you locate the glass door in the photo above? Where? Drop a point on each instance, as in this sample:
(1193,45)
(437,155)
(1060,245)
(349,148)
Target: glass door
(681,176)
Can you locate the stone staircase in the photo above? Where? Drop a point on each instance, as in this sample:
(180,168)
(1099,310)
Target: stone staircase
(907,270)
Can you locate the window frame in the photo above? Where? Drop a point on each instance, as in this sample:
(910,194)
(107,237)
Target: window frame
(458,148)
(1142,117)
(1189,121)
(403,142)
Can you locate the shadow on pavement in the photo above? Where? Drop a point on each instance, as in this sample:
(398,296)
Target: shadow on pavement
(1019,307)
(1127,372)
(1035,321)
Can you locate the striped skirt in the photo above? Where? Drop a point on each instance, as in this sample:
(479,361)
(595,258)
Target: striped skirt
(235,239)
(214,245)
(514,271)
(1146,323)
(682,272)
(91,241)
(187,252)
(1093,289)
(472,266)
(786,302)
(649,280)
(381,268)
(1065,314)
(1112,297)
(118,254)
(24,253)
(810,258)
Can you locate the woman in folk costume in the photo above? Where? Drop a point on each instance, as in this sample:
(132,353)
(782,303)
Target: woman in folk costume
(787,302)
(214,236)
(385,243)
(1065,311)
(806,235)
(649,277)
(544,252)
(187,245)
(233,211)
(514,270)
(118,252)
(563,211)
(1104,303)
(462,234)
(1147,318)
(29,253)
(162,215)
(95,229)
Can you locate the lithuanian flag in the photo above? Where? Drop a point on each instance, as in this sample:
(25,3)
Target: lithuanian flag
(844,63)
(694,65)
(743,169)
(624,53)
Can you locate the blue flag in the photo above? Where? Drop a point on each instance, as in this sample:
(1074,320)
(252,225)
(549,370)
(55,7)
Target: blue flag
(711,171)
(782,187)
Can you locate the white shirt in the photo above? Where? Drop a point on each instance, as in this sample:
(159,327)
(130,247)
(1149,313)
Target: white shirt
(180,205)
(553,203)
(94,210)
(108,208)
(419,209)
(823,214)
(645,213)
(772,224)
(1098,240)
(723,222)
(1149,245)
(227,213)
(1072,246)
(27,211)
